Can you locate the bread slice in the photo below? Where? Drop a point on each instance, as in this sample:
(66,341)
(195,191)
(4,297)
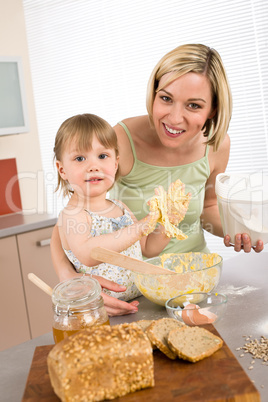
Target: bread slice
(144,324)
(158,332)
(193,343)
(100,363)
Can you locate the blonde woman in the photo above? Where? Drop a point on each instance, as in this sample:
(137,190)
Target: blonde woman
(184,136)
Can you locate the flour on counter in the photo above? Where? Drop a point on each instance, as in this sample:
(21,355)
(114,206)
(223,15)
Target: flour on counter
(236,291)
(153,315)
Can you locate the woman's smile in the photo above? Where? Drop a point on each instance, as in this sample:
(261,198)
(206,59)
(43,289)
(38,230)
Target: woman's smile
(172,131)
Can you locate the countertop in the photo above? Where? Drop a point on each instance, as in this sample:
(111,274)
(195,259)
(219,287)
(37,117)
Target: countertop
(21,222)
(244,280)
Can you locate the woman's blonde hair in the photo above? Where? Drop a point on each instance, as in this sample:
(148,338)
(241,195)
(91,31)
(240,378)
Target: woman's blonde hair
(82,128)
(204,60)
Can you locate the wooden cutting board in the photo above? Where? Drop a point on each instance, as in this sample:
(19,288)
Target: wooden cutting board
(217,378)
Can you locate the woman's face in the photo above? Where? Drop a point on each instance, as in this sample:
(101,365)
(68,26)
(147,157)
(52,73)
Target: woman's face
(181,109)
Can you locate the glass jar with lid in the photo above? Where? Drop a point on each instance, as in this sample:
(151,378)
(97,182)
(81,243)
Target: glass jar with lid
(77,304)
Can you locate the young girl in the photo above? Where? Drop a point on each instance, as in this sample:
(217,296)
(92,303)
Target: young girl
(86,155)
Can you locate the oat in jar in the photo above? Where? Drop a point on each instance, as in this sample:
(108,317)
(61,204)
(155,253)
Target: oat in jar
(77,304)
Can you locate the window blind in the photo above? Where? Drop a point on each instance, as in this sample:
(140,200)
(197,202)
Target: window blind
(96,56)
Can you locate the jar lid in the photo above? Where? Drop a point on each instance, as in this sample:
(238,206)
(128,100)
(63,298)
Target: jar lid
(76,292)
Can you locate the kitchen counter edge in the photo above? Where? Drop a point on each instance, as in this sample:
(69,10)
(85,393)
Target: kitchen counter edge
(14,224)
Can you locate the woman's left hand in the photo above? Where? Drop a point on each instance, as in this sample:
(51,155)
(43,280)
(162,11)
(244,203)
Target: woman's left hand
(243,242)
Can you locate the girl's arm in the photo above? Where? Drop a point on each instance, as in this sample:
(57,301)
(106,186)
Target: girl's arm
(153,243)
(65,270)
(74,231)
(210,217)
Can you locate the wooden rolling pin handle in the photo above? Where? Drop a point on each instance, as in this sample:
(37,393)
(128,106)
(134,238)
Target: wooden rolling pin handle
(41,284)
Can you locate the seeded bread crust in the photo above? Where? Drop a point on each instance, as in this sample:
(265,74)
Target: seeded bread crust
(193,343)
(158,333)
(99,363)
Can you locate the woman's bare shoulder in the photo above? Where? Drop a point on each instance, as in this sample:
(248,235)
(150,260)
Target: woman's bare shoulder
(134,125)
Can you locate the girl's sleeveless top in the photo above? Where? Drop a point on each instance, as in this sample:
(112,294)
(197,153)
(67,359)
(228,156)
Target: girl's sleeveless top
(102,225)
(136,188)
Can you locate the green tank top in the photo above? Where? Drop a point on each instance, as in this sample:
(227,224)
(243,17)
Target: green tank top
(136,188)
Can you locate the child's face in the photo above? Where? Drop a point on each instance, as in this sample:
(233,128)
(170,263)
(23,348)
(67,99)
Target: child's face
(90,173)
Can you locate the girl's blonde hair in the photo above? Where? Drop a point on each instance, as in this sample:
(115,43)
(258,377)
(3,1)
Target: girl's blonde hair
(204,60)
(82,128)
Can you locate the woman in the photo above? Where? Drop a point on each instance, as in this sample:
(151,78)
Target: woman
(184,136)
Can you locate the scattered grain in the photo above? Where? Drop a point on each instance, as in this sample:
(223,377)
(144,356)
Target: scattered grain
(257,348)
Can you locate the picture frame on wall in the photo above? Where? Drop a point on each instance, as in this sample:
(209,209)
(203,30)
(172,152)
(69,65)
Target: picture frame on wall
(13,108)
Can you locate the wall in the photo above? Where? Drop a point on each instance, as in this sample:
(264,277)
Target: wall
(24,147)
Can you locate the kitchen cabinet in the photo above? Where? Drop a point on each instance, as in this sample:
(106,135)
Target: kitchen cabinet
(14,319)
(35,257)
(26,310)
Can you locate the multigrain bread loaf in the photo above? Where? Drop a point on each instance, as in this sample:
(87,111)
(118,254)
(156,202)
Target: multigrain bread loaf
(158,332)
(193,343)
(103,362)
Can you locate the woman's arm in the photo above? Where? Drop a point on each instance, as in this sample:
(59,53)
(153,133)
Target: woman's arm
(210,217)
(218,161)
(114,306)
(63,267)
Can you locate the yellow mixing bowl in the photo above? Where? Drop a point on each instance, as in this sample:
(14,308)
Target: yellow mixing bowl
(195,272)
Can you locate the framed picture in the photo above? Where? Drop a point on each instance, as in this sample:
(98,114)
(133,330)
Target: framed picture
(13,108)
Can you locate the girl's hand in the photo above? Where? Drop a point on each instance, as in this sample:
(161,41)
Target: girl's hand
(175,214)
(114,306)
(243,242)
(174,203)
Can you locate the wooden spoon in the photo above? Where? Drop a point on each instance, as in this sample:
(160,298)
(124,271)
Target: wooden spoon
(121,260)
(41,284)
